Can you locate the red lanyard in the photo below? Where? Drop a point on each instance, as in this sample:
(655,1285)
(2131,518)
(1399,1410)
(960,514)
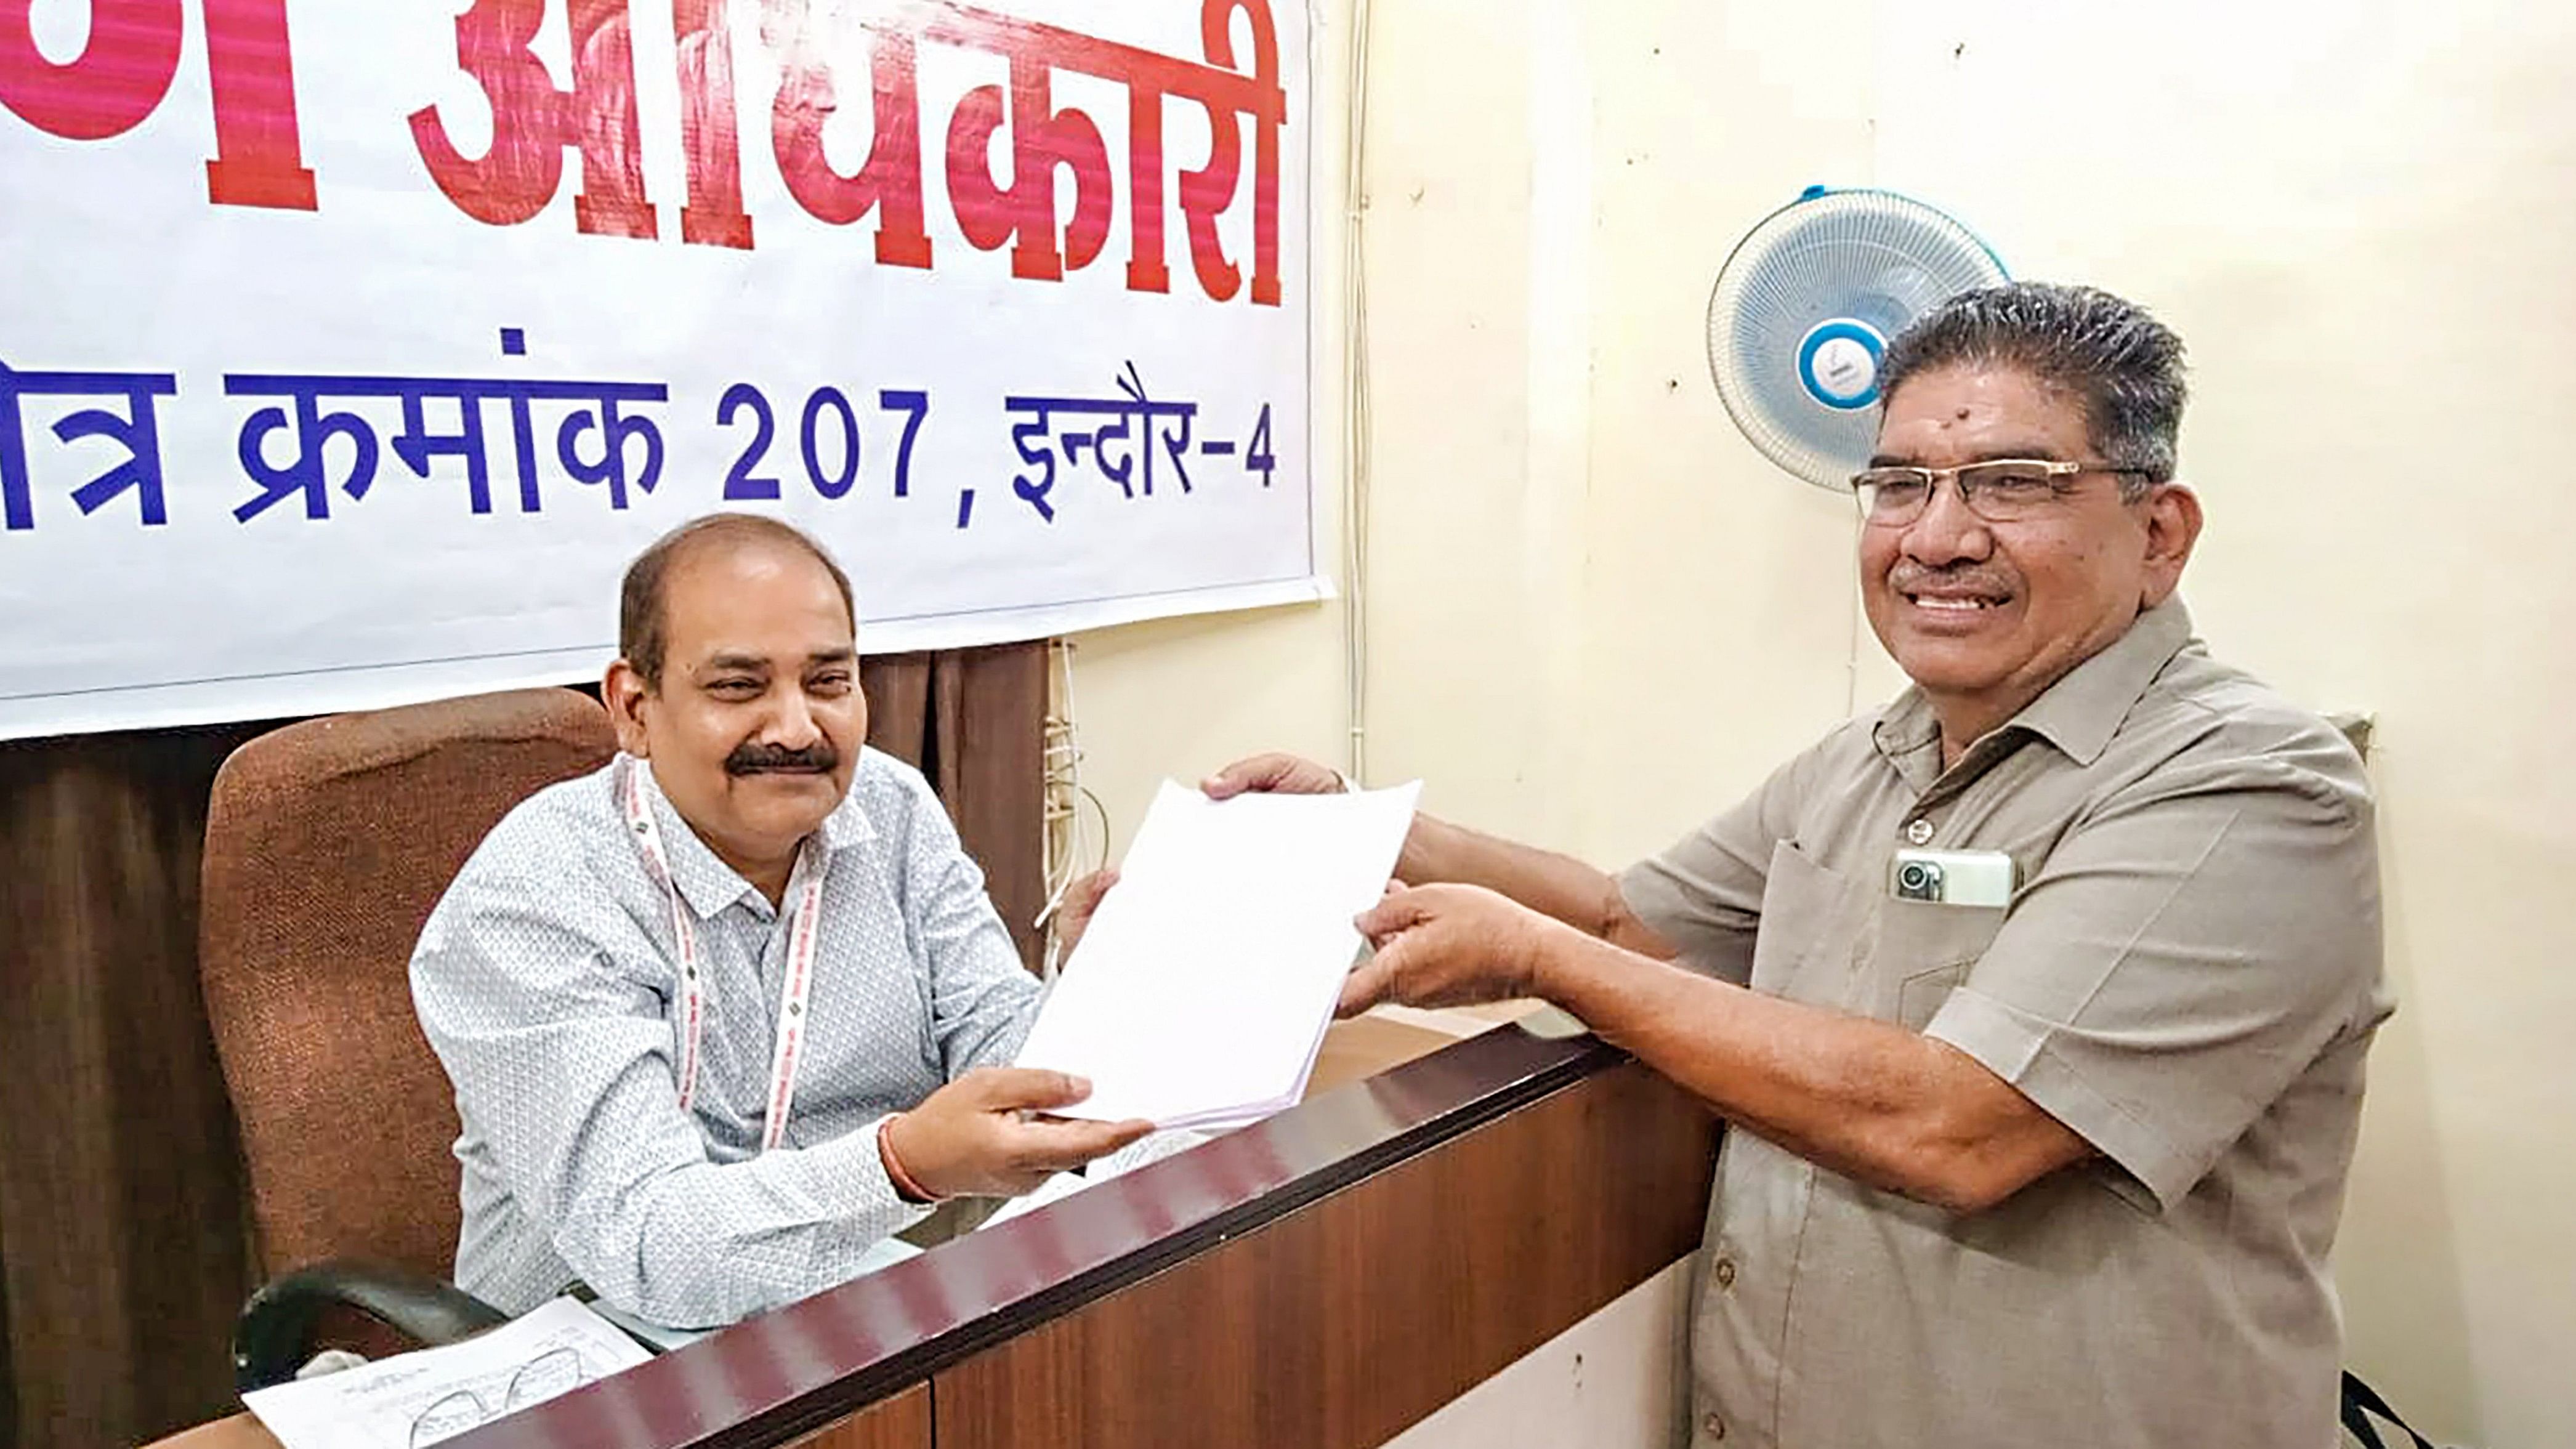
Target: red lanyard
(788,1055)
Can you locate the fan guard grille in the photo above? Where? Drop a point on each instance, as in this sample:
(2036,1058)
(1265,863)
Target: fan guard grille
(1872,260)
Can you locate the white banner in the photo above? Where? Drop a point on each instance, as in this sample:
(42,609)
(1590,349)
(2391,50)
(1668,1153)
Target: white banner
(349,350)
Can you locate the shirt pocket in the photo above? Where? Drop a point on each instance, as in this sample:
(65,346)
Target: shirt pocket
(1805,921)
(1925,949)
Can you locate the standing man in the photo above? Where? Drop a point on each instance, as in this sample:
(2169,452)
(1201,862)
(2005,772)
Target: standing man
(2037,1000)
(728,1012)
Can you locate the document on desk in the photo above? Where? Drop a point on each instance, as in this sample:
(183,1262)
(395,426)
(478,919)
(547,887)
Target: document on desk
(420,1398)
(1200,992)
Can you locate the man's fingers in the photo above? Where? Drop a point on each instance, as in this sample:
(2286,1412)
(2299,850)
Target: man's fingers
(1082,902)
(1365,987)
(1065,1143)
(1282,773)
(1088,892)
(1399,909)
(1026,1088)
(1255,773)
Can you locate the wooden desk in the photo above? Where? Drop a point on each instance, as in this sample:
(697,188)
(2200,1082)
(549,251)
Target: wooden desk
(1321,1280)
(1353,1051)
(902,1422)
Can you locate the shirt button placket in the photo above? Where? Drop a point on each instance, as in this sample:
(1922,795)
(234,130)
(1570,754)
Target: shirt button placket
(1919,830)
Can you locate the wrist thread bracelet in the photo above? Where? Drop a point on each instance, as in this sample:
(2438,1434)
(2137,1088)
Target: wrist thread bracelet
(906,1186)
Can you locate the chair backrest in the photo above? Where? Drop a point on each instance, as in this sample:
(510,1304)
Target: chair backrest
(327,843)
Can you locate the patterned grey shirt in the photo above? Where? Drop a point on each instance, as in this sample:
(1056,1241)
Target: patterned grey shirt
(548,981)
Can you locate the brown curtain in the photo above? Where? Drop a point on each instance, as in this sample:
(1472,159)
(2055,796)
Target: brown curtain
(123,1241)
(974,721)
(125,1247)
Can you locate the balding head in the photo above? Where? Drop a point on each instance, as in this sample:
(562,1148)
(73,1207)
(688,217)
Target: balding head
(643,607)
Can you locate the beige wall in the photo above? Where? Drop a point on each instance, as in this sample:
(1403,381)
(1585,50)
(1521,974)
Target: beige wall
(1612,1381)
(1594,615)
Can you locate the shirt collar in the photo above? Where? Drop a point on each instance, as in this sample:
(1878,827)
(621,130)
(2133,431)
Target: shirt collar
(2078,714)
(2081,712)
(705,881)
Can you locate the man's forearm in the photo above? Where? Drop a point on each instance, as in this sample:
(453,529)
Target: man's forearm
(1869,1099)
(708,1244)
(1551,884)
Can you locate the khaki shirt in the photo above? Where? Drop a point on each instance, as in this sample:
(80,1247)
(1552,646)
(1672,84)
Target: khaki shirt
(2188,976)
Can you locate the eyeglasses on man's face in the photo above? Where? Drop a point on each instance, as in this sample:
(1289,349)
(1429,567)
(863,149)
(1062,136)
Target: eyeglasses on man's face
(2002,490)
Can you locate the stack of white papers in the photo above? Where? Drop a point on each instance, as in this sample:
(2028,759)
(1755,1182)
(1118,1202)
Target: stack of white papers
(416,1399)
(1200,992)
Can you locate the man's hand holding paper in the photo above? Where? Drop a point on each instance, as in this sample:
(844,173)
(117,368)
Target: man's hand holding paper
(993,1133)
(1446,945)
(1201,988)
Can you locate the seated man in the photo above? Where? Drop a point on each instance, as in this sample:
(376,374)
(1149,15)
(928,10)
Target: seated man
(725,1014)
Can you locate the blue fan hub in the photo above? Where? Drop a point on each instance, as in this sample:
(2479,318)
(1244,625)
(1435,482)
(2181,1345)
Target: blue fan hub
(1838,363)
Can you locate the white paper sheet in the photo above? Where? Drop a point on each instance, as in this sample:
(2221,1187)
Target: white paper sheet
(1200,993)
(420,1398)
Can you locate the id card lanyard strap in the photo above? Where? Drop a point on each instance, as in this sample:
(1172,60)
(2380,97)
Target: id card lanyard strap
(788,1055)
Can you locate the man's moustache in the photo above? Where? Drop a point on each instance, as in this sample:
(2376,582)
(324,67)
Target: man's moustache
(1911,580)
(817,759)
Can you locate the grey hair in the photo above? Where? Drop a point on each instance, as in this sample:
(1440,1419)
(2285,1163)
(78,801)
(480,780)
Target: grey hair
(2124,366)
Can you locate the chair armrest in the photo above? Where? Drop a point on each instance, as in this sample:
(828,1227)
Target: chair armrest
(275,1333)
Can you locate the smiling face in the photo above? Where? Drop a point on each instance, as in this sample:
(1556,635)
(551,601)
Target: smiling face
(756,721)
(1985,616)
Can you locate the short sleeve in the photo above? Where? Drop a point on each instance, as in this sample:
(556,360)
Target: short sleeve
(2184,954)
(1703,893)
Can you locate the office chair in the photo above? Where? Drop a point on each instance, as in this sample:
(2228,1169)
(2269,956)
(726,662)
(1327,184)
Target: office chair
(327,843)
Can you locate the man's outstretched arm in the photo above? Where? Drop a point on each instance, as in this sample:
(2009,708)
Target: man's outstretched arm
(1876,1102)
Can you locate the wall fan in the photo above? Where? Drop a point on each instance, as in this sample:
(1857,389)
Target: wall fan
(1803,310)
